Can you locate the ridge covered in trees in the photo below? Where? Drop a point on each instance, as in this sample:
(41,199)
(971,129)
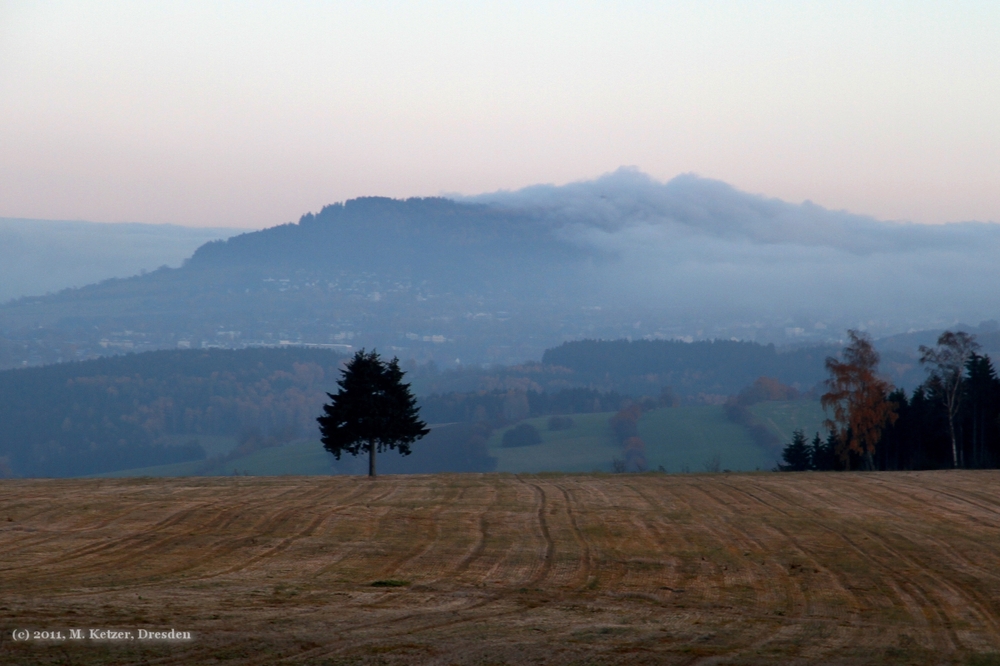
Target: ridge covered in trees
(397,237)
(721,367)
(155,408)
(438,278)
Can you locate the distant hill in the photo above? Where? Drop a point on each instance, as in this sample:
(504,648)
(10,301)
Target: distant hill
(42,256)
(414,276)
(500,278)
(466,246)
(163,407)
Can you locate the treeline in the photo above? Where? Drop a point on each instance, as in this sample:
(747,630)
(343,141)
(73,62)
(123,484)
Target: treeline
(716,367)
(426,238)
(151,409)
(501,407)
(951,420)
(164,407)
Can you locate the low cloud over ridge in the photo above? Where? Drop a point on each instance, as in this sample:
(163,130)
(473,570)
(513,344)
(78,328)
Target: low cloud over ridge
(689,204)
(703,249)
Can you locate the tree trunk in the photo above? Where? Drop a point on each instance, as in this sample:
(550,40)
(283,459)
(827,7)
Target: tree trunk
(371,458)
(954,447)
(952,403)
(975,430)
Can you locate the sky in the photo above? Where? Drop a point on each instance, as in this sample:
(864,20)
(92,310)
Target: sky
(250,114)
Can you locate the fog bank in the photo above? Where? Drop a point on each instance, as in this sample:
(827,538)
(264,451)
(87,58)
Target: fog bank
(699,249)
(40,256)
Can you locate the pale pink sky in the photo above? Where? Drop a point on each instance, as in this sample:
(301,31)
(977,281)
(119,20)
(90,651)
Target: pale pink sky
(250,114)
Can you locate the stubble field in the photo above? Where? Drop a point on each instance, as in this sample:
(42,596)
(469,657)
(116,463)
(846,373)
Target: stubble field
(499,569)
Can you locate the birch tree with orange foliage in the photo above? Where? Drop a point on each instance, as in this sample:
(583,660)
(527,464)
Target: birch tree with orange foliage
(857,399)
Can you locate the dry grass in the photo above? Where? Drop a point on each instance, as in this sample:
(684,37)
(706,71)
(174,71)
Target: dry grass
(749,569)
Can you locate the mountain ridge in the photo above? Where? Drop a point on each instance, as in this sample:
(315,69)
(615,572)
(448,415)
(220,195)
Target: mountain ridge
(499,278)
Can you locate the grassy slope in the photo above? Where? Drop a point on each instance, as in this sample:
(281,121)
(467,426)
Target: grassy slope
(785,417)
(192,468)
(301,458)
(686,438)
(679,439)
(587,446)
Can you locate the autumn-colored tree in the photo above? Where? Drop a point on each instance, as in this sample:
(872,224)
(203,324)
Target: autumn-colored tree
(947,363)
(625,423)
(635,453)
(765,389)
(857,399)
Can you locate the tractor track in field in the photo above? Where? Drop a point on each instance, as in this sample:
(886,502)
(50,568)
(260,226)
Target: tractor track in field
(141,540)
(150,539)
(806,553)
(844,585)
(585,570)
(543,526)
(478,549)
(426,541)
(270,524)
(763,575)
(476,553)
(953,557)
(687,569)
(461,614)
(124,552)
(926,600)
(991,511)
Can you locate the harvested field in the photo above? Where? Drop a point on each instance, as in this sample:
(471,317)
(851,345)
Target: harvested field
(899,568)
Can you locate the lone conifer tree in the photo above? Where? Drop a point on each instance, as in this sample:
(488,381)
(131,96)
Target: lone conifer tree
(373,410)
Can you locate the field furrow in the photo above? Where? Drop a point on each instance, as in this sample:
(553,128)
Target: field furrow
(470,569)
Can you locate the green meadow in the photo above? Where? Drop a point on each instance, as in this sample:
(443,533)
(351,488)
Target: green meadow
(696,439)
(678,439)
(786,416)
(587,446)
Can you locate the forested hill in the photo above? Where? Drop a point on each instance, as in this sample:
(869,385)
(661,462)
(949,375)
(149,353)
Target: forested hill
(430,238)
(161,407)
(499,280)
(157,408)
(428,278)
(713,366)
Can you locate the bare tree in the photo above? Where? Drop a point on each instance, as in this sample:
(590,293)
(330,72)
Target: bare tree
(857,398)
(947,363)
